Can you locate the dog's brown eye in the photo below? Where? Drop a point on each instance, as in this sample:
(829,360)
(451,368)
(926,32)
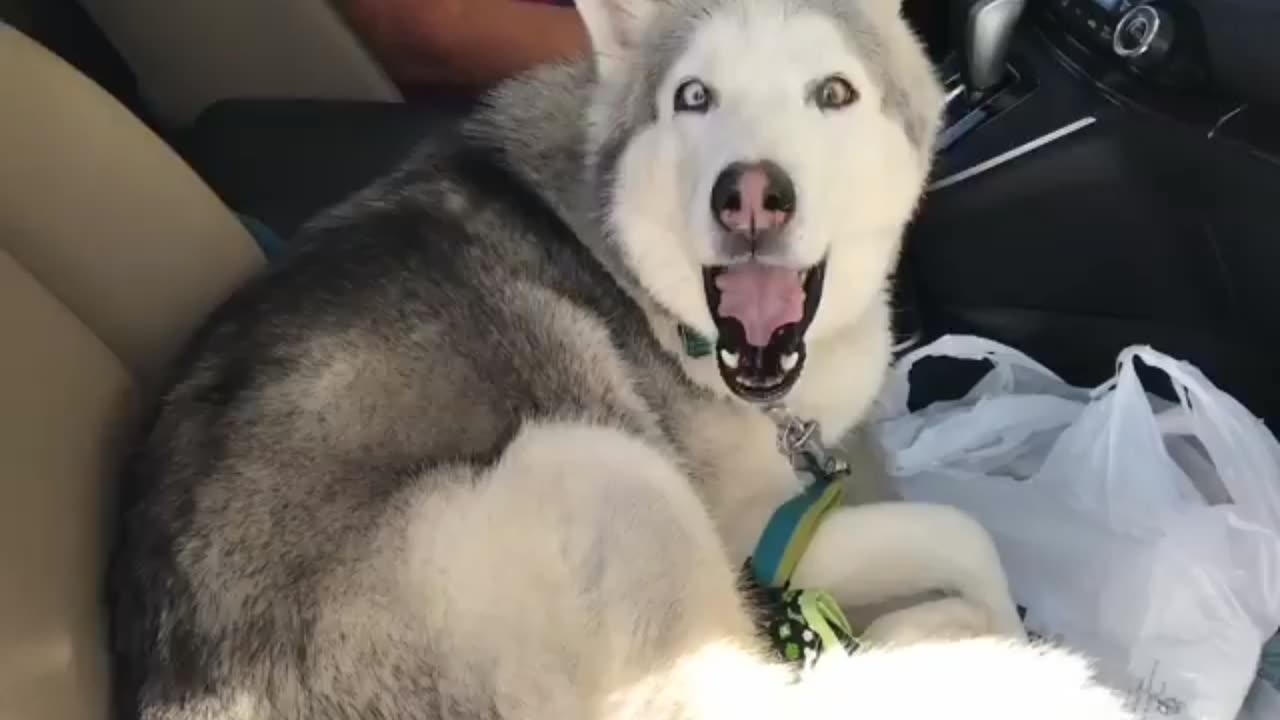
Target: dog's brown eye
(833,93)
(693,96)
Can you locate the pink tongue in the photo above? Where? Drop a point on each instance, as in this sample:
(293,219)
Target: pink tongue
(760,297)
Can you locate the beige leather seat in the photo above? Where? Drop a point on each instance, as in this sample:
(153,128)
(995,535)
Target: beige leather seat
(111,250)
(188,54)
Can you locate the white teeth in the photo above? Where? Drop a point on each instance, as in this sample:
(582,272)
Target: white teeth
(789,361)
(729,359)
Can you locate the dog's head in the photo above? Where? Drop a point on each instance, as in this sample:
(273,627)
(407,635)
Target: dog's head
(759,160)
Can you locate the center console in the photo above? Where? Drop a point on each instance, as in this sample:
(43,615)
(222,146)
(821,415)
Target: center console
(1166,58)
(1072,60)
(1160,41)
(1116,185)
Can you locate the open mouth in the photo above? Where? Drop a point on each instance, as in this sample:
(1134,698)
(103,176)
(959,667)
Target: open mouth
(762,313)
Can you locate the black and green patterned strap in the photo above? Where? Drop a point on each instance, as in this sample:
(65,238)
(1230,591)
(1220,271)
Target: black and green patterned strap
(801,625)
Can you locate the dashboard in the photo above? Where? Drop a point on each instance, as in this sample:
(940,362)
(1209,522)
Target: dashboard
(1224,48)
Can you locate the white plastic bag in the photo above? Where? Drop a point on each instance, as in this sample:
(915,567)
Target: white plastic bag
(1141,532)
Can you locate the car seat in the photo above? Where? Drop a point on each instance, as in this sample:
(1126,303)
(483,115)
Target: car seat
(189,54)
(111,251)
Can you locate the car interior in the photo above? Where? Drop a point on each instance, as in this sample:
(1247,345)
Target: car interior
(1109,174)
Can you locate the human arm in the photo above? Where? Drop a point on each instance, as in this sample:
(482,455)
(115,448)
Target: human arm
(464,44)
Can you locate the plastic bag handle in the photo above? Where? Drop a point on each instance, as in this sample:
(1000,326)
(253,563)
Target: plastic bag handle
(1241,448)
(894,396)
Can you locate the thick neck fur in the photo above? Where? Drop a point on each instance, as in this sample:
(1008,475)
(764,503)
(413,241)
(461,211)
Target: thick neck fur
(537,121)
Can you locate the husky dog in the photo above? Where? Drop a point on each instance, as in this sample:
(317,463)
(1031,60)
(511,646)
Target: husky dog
(491,443)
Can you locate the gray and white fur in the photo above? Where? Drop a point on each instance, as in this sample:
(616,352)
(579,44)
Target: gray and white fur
(449,461)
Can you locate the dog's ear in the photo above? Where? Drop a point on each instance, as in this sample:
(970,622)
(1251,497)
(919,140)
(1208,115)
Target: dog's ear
(615,28)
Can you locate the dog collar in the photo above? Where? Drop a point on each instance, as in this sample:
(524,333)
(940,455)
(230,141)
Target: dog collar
(790,530)
(801,624)
(696,345)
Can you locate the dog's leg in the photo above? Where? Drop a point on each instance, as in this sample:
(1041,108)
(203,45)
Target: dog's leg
(950,618)
(862,554)
(581,577)
(874,553)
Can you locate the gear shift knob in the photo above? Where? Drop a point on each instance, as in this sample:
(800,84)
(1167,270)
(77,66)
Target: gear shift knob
(983,30)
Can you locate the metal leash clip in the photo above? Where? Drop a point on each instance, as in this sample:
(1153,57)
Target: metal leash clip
(800,441)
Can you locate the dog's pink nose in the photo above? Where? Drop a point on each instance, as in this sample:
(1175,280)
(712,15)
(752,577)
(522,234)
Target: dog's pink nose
(753,198)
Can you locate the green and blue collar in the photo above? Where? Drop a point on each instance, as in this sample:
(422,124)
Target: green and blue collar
(800,624)
(696,345)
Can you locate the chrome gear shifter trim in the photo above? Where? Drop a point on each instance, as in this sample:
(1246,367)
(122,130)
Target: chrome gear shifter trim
(1012,154)
(984,29)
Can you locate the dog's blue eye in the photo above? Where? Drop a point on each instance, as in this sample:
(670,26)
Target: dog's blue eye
(693,96)
(833,93)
